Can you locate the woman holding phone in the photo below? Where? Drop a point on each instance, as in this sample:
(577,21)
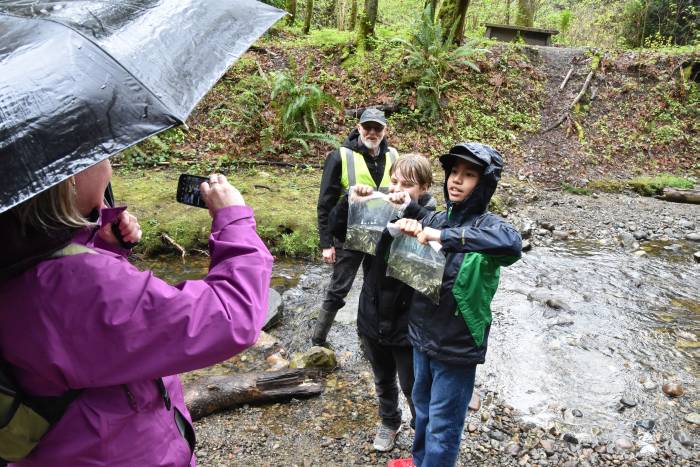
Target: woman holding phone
(76,315)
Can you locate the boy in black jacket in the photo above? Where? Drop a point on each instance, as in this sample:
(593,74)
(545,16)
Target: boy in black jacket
(450,339)
(382,316)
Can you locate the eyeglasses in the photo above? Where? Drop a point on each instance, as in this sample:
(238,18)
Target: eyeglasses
(376,127)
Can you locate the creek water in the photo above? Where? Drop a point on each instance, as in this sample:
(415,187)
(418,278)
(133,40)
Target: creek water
(577,327)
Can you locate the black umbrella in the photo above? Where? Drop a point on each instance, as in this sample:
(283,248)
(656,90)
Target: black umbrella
(82,80)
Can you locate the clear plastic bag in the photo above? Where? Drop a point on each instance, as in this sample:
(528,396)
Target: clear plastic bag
(420,266)
(367,219)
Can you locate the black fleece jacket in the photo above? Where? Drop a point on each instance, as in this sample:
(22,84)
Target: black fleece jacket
(331,190)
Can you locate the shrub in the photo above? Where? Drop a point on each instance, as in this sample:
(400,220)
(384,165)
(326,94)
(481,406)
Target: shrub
(430,59)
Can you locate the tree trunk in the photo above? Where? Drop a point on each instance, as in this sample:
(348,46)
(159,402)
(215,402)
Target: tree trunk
(340,17)
(681,196)
(367,22)
(292,10)
(215,393)
(453,12)
(353,15)
(307,18)
(507,21)
(525,15)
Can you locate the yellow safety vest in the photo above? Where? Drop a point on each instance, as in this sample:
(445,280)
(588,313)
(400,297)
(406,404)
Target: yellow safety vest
(355,171)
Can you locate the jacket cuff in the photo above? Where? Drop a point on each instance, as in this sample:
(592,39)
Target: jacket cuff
(230,215)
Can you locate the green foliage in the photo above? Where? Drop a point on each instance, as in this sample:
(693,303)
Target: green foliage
(564,21)
(153,151)
(661,23)
(297,102)
(575,190)
(644,185)
(430,57)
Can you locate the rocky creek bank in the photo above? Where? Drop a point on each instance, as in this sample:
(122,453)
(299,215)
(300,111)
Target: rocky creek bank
(644,421)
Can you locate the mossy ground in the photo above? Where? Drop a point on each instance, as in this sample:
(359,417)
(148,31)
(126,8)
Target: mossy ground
(284,201)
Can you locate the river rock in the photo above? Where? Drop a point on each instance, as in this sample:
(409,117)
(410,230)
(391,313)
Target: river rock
(696,256)
(513,449)
(627,241)
(548,446)
(527,246)
(672,389)
(684,438)
(693,237)
(557,304)
(646,424)
(315,357)
(686,224)
(277,362)
(647,451)
(640,235)
(627,402)
(649,385)
(547,225)
(624,443)
(497,435)
(577,413)
(274,309)
(265,342)
(693,418)
(560,235)
(475,402)
(569,438)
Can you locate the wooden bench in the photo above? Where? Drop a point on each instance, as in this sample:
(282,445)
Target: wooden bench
(508,33)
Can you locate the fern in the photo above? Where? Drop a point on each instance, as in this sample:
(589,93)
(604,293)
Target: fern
(297,102)
(430,59)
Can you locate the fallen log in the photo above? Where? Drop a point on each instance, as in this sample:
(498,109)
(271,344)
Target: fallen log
(677,195)
(388,109)
(215,393)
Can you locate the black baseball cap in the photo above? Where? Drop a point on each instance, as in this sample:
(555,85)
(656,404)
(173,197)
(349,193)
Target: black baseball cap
(461,151)
(373,115)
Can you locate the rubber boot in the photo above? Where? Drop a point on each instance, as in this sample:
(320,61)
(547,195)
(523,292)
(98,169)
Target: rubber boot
(323,325)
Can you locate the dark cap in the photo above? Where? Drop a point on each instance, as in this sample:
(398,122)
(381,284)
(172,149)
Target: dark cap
(463,153)
(373,115)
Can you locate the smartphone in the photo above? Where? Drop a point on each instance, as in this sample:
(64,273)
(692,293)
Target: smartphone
(188,190)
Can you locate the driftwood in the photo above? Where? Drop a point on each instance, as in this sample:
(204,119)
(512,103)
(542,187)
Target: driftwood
(681,196)
(214,393)
(388,109)
(169,240)
(573,103)
(566,78)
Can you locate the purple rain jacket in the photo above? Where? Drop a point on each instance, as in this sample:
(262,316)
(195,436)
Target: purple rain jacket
(95,322)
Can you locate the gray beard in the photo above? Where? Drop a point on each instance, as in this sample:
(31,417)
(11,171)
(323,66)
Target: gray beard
(370,145)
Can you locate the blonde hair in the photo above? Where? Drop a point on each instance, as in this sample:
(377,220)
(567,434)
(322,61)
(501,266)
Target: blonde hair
(415,168)
(53,209)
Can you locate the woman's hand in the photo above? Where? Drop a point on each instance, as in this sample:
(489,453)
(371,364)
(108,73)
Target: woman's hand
(219,193)
(128,227)
(362,190)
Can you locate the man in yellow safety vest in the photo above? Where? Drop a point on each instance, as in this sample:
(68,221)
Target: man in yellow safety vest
(363,159)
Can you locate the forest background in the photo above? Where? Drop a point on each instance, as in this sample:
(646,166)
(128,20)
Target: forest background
(628,119)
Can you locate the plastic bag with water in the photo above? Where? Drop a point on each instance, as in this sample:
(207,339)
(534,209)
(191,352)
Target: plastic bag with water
(420,266)
(367,219)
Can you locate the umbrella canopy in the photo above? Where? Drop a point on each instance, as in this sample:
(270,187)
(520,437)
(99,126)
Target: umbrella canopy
(82,80)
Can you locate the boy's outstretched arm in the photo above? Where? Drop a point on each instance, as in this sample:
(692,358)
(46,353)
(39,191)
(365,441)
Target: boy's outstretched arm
(499,238)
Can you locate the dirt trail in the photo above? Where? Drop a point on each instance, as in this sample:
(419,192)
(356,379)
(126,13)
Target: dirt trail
(548,153)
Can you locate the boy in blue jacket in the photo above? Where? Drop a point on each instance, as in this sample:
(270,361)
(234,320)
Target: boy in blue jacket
(450,339)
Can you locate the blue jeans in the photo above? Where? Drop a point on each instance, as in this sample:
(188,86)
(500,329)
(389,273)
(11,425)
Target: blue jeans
(441,394)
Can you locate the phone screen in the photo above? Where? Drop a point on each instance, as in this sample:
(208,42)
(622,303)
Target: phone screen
(188,190)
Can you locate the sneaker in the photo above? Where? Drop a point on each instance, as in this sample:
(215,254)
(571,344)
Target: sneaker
(401,462)
(385,438)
